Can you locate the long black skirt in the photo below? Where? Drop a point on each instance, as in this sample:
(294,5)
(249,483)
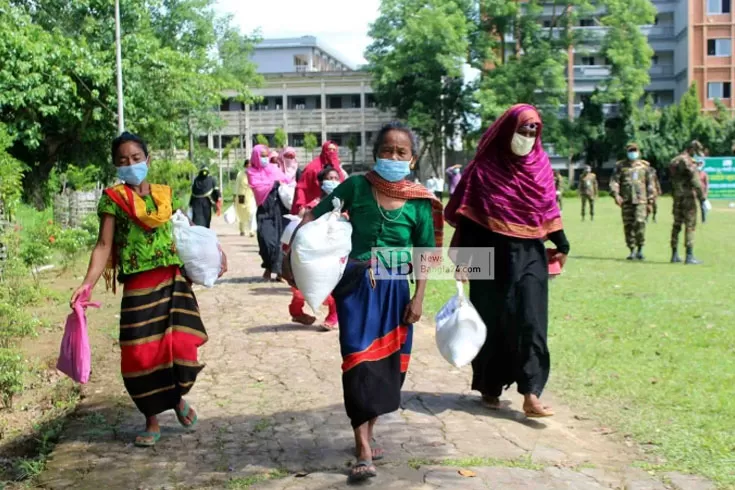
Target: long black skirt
(201,211)
(514,307)
(270,228)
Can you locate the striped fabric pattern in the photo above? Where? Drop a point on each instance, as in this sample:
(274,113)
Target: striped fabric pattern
(160,333)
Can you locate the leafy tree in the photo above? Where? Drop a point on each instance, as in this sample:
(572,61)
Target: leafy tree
(628,52)
(59,96)
(416,59)
(532,68)
(262,140)
(11,175)
(310,143)
(352,146)
(176,174)
(280,139)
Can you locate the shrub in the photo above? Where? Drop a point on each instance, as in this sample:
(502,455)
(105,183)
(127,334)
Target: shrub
(570,193)
(72,242)
(12,370)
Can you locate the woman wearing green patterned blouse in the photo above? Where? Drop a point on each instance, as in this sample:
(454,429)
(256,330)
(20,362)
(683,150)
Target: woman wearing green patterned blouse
(376,317)
(160,326)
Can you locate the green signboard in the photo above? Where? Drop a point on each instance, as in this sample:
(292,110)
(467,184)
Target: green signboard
(721,173)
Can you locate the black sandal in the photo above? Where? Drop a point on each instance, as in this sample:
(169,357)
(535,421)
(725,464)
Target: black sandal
(360,476)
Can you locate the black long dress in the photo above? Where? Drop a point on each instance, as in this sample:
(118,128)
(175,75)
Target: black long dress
(514,307)
(204,195)
(270,228)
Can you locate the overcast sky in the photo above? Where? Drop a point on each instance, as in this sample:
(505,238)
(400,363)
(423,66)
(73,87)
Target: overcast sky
(339,24)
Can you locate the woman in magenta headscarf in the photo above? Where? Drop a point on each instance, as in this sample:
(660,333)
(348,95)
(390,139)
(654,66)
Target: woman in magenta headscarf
(309,187)
(507,200)
(289,165)
(264,178)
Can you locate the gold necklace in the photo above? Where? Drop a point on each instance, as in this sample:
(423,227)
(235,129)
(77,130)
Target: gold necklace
(380,209)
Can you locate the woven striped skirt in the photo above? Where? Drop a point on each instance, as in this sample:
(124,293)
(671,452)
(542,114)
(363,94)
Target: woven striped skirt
(375,345)
(160,332)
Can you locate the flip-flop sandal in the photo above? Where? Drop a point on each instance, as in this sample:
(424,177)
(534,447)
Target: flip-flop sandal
(153,437)
(378,456)
(182,415)
(533,414)
(360,476)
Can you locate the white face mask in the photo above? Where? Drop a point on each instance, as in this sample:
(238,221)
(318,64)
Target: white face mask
(522,145)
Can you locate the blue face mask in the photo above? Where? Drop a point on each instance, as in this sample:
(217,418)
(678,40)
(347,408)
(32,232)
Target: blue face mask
(328,186)
(633,155)
(392,170)
(133,174)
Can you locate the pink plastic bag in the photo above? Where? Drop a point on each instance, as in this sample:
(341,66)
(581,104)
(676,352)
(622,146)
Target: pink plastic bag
(75,357)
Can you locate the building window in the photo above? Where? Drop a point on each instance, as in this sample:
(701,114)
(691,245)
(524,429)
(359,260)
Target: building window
(355,101)
(718,47)
(370,101)
(588,60)
(298,103)
(718,6)
(586,22)
(335,102)
(718,90)
(654,59)
(547,24)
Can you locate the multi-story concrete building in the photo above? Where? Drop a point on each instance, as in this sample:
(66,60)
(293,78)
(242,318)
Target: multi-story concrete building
(692,42)
(307,89)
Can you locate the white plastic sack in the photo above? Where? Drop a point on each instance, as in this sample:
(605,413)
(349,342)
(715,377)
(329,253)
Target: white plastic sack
(190,213)
(460,332)
(294,222)
(286,193)
(198,249)
(319,255)
(230,215)
(707,205)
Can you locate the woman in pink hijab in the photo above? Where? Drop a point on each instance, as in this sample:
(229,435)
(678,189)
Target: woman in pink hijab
(506,200)
(264,178)
(289,165)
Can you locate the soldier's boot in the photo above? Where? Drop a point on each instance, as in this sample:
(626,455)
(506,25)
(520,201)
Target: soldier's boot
(690,257)
(675,259)
(639,255)
(632,254)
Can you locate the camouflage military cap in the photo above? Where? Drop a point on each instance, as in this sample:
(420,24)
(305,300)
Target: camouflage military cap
(632,147)
(696,147)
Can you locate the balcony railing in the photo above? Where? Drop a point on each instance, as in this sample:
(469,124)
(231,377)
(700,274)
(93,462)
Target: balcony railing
(658,31)
(658,71)
(591,72)
(602,72)
(304,120)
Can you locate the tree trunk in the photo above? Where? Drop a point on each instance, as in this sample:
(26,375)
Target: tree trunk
(35,183)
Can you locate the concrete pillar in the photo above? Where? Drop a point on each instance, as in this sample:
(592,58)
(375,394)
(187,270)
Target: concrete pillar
(285,110)
(363,146)
(324,111)
(248,133)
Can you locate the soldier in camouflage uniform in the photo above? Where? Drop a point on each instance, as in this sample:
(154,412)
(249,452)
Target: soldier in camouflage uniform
(588,190)
(653,206)
(688,195)
(631,186)
(559,184)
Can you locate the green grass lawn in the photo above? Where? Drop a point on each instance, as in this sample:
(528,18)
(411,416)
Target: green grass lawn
(647,348)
